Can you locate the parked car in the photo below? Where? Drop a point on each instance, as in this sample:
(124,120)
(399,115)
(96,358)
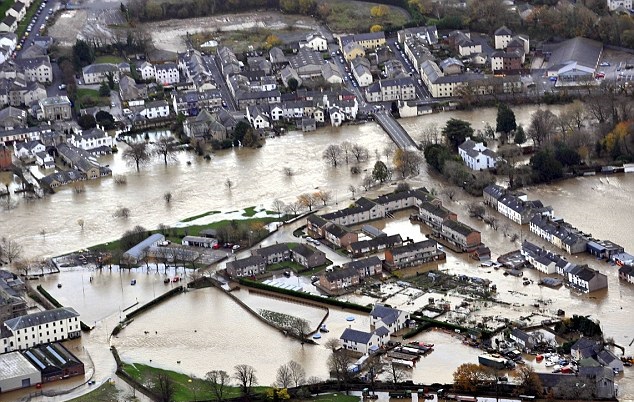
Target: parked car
(62,87)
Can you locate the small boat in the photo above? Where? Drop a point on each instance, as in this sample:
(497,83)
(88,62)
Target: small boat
(350,318)
(539,358)
(176,279)
(166,280)
(317,336)
(133,282)
(323,328)
(59,285)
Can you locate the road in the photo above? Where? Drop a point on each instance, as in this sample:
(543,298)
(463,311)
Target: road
(422,93)
(396,132)
(214,69)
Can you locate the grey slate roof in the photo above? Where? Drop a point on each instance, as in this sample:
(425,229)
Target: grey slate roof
(246,262)
(353,335)
(40,318)
(584,51)
(363,263)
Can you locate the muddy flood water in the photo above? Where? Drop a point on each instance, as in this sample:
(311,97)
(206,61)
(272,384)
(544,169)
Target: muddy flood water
(206,330)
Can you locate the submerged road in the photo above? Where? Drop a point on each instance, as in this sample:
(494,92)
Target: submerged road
(394,129)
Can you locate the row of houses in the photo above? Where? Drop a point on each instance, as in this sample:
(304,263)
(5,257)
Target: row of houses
(332,226)
(579,277)
(304,255)
(514,206)
(37,365)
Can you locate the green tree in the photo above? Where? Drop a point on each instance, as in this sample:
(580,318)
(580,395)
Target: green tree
(293,84)
(87,121)
(240,131)
(380,172)
(105,119)
(520,135)
(436,155)
(505,121)
(546,167)
(566,155)
(104,89)
(83,53)
(457,132)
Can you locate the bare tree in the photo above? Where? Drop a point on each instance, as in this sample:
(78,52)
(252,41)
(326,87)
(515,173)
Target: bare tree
(136,153)
(476,210)
(229,184)
(167,197)
(245,375)
(165,147)
(293,208)
(323,196)
(306,200)
(218,380)
(407,162)
(279,207)
(122,212)
(360,152)
(297,373)
(81,223)
(333,344)
(346,148)
(542,127)
(8,203)
(352,190)
(288,171)
(450,192)
(43,232)
(283,377)
(333,154)
(367,182)
(430,135)
(10,249)
(395,374)
(120,179)
(79,188)
(389,150)
(164,387)
(300,327)
(338,363)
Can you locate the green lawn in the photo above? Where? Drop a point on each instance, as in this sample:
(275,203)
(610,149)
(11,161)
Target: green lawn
(105,393)
(91,97)
(249,212)
(109,59)
(5,5)
(187,388)
(354,16)
(292,265)
(193,218)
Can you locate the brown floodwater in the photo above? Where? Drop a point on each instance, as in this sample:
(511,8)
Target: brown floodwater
(207,330)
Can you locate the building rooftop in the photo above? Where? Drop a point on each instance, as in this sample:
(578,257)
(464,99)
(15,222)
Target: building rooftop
(14,365)
(41,317)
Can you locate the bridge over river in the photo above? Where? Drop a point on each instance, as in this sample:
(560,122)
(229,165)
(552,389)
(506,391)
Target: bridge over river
(394,129)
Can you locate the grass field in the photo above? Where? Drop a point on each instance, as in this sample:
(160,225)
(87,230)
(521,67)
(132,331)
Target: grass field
(193,218)
(187,388)
(5,5)
(105,393)
(109,59)
(88,97)
(354,16)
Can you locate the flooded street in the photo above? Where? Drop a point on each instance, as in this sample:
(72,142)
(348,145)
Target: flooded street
(206,330)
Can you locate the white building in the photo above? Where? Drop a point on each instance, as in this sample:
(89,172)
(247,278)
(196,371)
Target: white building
(156,109)
(502,37)
(390,318)
(17,372)
(257,117)
(44,160)
(361,71)
(99,72)
(28,149)
(477,156)
(359,341)
(42,327)
(91,139)
(614,4)
(316,42)
(166,73)
(147,71)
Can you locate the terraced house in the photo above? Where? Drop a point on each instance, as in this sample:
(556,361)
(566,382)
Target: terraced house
(462,236)
(413,254)
(42,327)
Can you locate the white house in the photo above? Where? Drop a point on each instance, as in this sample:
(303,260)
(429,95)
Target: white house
(337,117)
(156,109)
(166,73)
(42,327)
(316,42)
(8,40)
(477,156)
(361,71)
(27,149)
(257,117)
(147,71)
(614,4)
(390,318)
(502,37)
(44,160)
(359,341)
(91,139)
(99,72)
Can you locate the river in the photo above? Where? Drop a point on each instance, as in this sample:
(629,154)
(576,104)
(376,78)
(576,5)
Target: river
(206,330)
